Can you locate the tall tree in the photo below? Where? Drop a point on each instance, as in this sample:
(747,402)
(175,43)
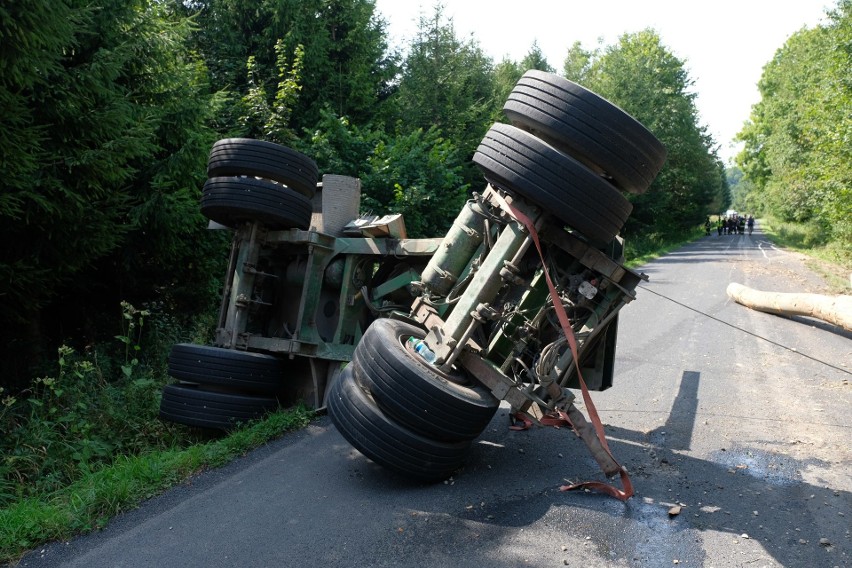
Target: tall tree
(442,107)
(797,151)
(535,59)
(743,196)
(506,75)
(447,83)
(577,62)
(345,62)
(109,116)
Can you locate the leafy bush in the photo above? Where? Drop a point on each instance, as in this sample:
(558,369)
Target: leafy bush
(419,175)
(801,235)
(93,406)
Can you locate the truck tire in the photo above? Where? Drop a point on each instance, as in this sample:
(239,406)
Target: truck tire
(247,157)
(452,408)
(235,200)
(386,442)
(237,370)
(518,162)
(588,127)
(194,406)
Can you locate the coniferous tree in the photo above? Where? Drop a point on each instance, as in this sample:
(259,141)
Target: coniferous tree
(535,59)
(506,75)
(107,115)
(345,64)
(447,83)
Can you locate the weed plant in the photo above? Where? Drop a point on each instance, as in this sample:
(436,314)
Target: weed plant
(93,406)
(72,424)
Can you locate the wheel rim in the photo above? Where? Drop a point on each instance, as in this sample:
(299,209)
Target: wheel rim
(457,375)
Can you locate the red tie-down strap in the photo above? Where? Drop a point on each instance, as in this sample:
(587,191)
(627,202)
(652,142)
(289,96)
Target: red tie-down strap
(557,419)
(562,418)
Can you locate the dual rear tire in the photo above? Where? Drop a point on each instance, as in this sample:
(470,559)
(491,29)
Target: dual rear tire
(220,388)
(587,127)
(358,417)
(570,152)
(254,180)
(248,181)
(402,412)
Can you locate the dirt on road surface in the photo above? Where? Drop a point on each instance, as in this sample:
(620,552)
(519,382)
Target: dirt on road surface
(734,424)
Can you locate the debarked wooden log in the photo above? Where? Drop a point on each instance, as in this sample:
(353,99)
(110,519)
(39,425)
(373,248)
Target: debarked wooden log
(836,310)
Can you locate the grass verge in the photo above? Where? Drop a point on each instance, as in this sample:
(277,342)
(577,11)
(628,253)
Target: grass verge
(89,503)
(832,260)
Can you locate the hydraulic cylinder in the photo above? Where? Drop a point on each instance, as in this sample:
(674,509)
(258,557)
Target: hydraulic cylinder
(456,251)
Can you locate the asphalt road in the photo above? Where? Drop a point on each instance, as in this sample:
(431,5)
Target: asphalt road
(741,417)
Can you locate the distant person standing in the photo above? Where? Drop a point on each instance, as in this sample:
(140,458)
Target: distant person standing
(707,226)
(750,224)
(720,225)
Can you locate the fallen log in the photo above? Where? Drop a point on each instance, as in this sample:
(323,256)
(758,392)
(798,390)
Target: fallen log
(836,310)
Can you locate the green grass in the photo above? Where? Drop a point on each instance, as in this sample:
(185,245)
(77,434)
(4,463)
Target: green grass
(830,259)
(90,502)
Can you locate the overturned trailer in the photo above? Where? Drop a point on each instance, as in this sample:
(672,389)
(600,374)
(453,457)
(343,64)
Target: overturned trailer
(518,302)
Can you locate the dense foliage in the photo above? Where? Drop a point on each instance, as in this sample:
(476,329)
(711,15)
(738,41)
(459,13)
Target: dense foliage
(798,156)
(345,64)
(105,129)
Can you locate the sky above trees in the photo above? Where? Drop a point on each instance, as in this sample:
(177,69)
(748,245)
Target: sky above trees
(725,43)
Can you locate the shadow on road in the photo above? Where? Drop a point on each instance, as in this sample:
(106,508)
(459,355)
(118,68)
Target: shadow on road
(740,490)
(819,324)
(713,248)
